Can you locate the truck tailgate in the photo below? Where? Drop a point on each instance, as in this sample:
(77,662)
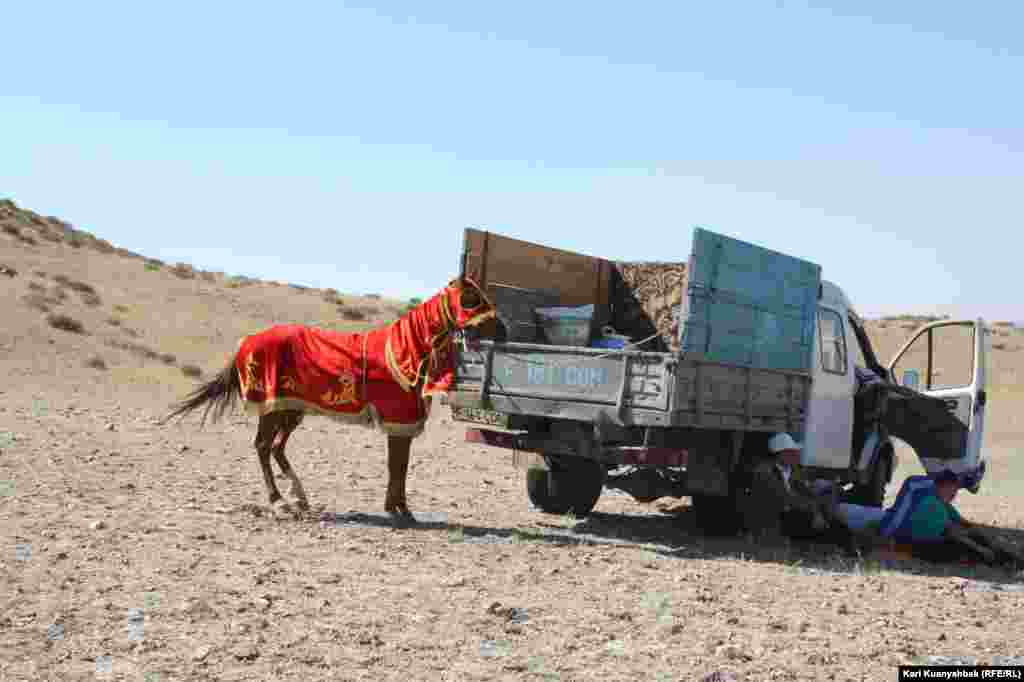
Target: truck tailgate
(587,375)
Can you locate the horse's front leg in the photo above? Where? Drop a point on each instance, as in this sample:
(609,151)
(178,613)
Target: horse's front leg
(398,467)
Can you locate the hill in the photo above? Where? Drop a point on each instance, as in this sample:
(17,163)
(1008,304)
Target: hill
(82,314)
(109,515)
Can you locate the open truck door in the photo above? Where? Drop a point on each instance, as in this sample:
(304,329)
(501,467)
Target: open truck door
(938,408)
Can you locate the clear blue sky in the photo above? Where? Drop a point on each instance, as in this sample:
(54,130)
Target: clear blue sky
(348,144)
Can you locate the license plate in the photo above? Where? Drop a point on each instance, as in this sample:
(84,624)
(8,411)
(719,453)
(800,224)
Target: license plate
(479,416)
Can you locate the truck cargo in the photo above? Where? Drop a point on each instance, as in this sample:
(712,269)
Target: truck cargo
(668,378)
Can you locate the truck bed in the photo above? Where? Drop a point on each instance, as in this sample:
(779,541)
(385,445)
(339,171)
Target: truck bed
(630,388)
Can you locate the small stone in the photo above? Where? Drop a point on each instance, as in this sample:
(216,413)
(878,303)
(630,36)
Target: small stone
(110,426)
(97,525)
(843,610)
(247,652)
(731,652)
(182,448)
(200,653)
(104,664)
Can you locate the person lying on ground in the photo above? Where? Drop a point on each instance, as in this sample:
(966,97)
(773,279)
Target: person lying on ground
(924,517)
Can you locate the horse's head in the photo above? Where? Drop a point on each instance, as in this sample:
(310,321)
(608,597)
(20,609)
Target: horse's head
(470,305)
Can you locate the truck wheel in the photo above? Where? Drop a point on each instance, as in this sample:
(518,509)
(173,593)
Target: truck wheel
(718,515)
(872,493)
(572,485)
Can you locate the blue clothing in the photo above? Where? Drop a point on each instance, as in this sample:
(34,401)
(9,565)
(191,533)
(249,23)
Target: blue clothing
(918,514)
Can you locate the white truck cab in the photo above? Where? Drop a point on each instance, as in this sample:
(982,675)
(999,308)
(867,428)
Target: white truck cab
(849,425)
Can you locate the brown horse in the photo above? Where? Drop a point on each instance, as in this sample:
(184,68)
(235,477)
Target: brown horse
(383,378)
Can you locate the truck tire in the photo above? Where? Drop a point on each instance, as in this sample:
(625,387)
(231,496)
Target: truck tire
(572,485)
(872,493)
(717,515)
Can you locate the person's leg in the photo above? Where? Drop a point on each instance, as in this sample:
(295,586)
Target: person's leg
(857,517)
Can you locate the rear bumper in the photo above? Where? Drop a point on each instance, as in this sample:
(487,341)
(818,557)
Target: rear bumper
(529,449)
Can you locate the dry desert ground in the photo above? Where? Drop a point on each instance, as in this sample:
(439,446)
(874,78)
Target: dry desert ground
(138,552)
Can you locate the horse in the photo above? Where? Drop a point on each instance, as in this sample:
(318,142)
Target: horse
(383,378)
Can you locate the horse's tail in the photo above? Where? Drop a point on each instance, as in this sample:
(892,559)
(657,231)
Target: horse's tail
(218,394)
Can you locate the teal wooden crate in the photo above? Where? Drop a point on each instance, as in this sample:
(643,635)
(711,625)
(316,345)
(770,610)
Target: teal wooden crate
(747,305)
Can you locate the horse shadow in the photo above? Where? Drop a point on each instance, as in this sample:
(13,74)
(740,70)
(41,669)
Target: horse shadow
(675,535)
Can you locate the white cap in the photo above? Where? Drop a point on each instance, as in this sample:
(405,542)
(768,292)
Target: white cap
(782,441)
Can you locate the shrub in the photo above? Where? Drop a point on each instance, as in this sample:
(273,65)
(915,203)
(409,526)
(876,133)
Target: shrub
(76,285)
(26,239)
(136,348)
(38,301)
(65,323)
(352,313)
(415,301)
(183,270)
(8,270)
(36,286)
(121,308)
(96,362)
(192,371)
(355,313)
(152,266)
(373,297)
(208,277)
(91,299)
(74,242)
(332,296)
(12,230)
(114,321)
(168,359)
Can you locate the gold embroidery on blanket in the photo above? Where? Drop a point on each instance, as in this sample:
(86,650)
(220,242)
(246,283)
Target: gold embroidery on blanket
(345,393)
(249,381)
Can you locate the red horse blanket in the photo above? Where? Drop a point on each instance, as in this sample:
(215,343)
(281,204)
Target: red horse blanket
(383,377)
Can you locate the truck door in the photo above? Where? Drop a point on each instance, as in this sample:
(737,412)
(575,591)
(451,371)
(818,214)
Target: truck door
(940,409)
(830,412)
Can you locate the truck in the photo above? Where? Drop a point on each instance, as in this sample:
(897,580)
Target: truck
(666,379)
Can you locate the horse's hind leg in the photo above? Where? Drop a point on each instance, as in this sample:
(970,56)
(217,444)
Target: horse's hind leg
(268,427)
(289,422)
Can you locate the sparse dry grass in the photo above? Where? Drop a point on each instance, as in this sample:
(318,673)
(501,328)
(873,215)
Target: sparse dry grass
(65,323)
(192,371)
(135,348)
(183,271)
(96,362)
(358,313)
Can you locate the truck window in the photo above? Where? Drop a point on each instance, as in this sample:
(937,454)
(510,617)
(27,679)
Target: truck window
(857,351)
(943,357)
(832,340)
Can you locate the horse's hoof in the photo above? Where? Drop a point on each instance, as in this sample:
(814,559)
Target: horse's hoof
(281,510)
(402,518)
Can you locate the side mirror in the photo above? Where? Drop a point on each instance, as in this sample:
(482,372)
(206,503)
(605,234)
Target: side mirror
(911,379)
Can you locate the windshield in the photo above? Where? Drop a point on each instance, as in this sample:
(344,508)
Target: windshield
(863,353)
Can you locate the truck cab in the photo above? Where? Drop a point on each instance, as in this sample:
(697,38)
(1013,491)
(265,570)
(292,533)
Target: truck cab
(856,406)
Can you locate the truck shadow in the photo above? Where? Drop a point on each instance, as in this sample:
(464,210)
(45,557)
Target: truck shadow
(675,535)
